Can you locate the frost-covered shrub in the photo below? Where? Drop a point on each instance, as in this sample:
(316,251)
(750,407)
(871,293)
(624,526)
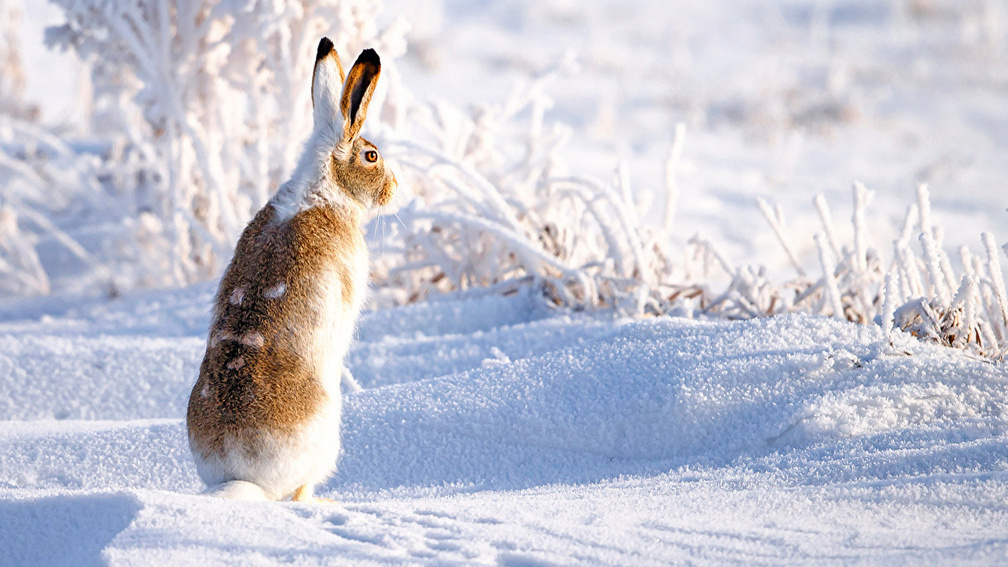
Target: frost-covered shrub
(46,184)
(492,207)
(916,290)
(485,220)
(41,177)
(212,97)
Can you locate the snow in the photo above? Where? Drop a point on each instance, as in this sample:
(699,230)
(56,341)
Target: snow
(493,430)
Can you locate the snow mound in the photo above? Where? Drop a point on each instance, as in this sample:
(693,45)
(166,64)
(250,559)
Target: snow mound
(663,391)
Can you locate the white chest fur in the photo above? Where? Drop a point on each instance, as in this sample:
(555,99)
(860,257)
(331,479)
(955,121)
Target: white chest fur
(340,308)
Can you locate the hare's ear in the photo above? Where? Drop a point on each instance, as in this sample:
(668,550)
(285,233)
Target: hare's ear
(357,92)
(327,81)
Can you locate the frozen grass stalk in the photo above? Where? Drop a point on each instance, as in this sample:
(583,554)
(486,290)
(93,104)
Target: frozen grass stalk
(936,277)
(909,221)
(861,198)
(827,223)
(996,278)
(671,171)
(832,291)
(892,298)
(772,218)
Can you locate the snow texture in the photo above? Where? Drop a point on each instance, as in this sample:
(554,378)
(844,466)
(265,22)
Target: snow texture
(489,431)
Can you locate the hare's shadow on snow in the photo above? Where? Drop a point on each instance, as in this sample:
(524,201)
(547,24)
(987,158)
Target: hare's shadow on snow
(63,530)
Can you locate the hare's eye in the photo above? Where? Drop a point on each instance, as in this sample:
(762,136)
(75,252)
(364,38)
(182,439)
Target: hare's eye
(371,156)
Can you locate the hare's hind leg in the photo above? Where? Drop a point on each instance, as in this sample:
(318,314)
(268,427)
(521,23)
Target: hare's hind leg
(305,493)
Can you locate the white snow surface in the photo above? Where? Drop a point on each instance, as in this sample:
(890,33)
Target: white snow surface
(492,431)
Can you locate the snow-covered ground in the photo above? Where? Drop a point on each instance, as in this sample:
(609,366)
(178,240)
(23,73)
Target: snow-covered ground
(492,430)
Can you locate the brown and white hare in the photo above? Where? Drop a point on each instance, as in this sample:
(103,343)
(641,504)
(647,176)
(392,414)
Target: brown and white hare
(264,415)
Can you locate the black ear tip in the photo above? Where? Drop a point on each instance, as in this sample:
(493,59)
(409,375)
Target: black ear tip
(369,56)
(325,46)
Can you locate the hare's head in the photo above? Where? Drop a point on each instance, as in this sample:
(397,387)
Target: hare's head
(340,103)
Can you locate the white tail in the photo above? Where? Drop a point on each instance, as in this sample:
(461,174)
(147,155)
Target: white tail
(238,490)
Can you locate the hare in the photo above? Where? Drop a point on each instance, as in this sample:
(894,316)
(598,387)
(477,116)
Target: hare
(264,415)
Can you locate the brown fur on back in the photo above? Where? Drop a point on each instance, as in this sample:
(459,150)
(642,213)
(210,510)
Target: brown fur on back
(260,370)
